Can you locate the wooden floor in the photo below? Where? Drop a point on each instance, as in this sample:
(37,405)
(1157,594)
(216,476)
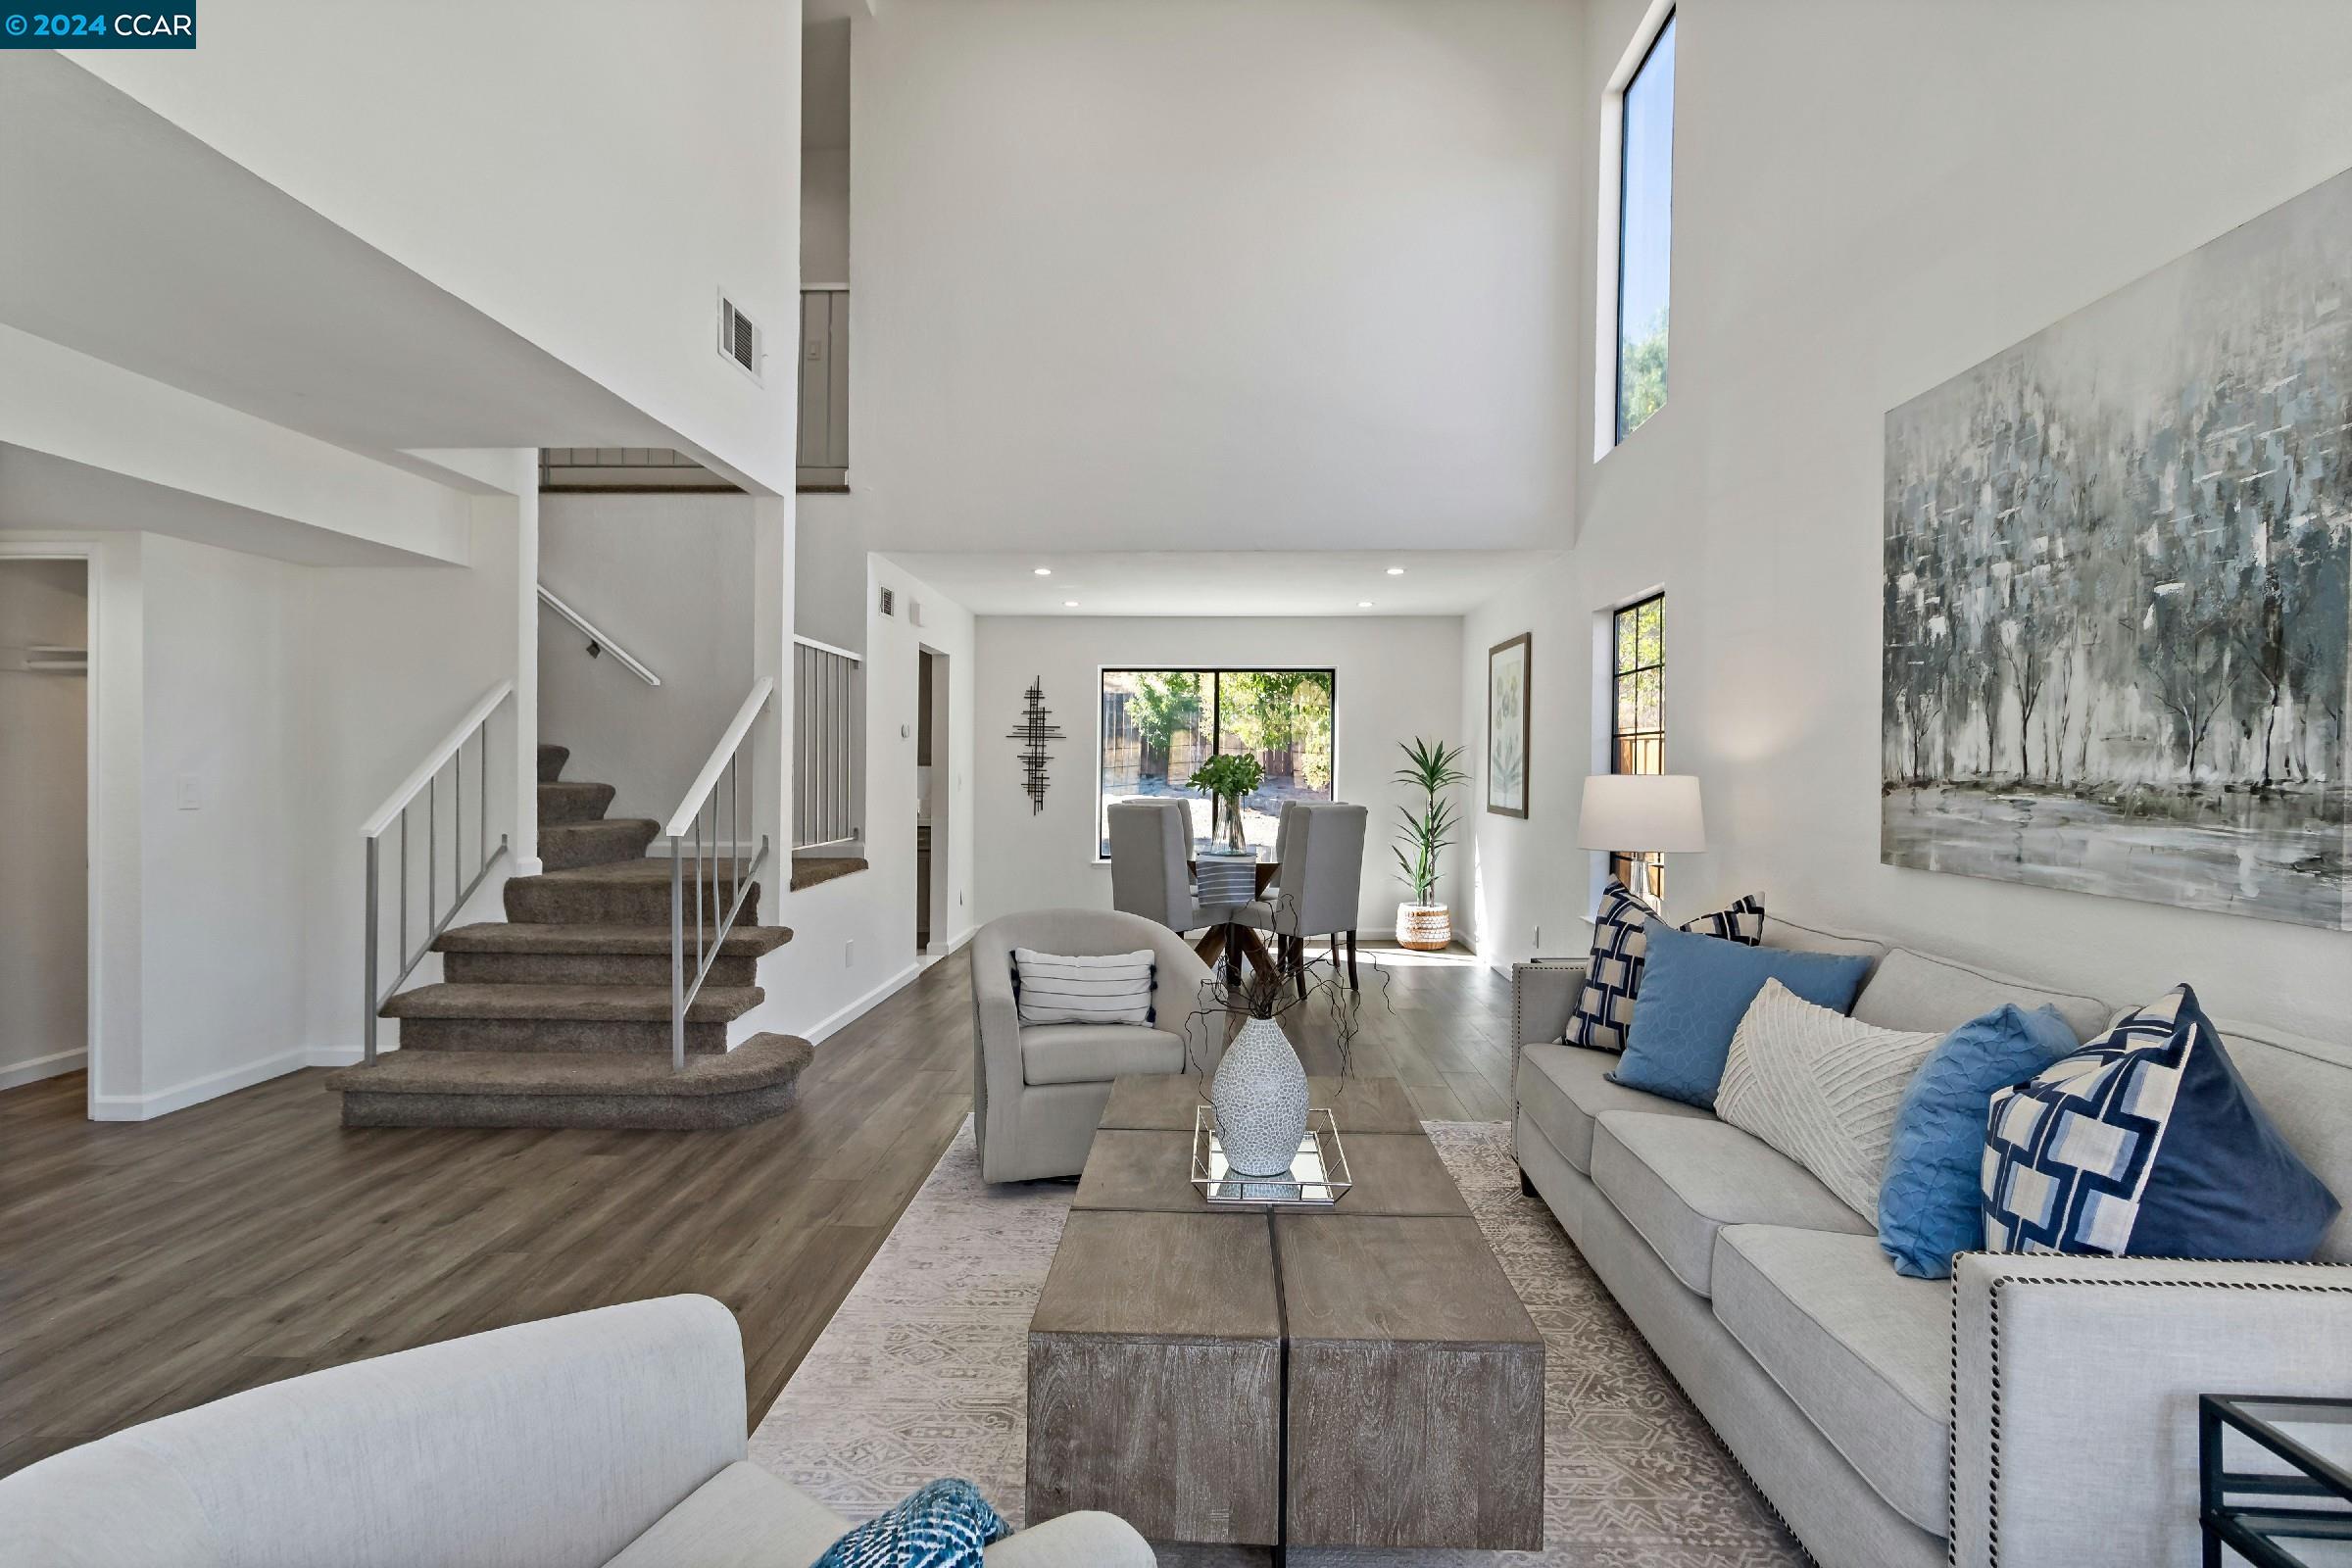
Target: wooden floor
(145,1267)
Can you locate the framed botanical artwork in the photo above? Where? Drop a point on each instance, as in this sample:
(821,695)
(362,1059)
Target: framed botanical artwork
(1509,726)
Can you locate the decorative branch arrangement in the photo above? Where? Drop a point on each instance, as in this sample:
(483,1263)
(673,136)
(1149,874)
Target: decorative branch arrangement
(1261,993)
(1033,732)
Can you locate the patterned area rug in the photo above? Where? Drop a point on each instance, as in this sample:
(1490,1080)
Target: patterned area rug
(923,1373)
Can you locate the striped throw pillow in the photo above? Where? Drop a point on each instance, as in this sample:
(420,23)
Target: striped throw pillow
(1105,987)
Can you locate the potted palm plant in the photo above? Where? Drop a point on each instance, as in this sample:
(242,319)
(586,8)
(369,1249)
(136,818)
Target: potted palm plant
(1431,768)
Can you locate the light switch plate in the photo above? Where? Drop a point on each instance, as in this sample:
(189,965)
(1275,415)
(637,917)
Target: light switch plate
(190,794)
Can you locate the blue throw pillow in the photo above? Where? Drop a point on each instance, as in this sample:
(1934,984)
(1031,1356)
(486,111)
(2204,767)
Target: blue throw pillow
(2148,1143)
(1929,1205)
(945,1525)
(1695,990)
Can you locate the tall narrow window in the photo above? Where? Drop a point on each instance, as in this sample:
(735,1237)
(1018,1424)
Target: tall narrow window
(1638,720)
(1645,233)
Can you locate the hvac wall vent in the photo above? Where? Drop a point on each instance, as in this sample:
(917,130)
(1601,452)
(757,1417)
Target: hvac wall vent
(739,338)
(889,602)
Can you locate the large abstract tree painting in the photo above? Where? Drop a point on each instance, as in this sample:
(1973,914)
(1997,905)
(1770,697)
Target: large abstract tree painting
(2118,599)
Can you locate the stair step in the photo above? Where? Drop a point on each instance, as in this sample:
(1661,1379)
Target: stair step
(517,953)
(551,761)
(572,801)
(758,1079)
(733,969)
(569,1004)
(499,936)
(568,845)
(624,893)
(570,1019)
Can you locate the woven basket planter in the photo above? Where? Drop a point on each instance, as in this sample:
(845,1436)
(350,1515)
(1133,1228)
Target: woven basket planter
(1424,927)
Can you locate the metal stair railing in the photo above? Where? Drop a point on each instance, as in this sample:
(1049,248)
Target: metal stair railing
(391,819)
(720,777)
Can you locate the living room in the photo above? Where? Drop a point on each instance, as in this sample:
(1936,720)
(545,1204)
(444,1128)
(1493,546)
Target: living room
(1886,689)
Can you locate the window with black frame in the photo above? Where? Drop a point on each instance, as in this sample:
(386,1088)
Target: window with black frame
(1158,725)
(1645,231)
(1638,720)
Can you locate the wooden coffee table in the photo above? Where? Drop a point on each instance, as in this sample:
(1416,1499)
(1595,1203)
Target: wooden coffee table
(1360,1375)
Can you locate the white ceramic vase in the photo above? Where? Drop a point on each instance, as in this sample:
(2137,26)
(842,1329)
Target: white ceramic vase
(1260,1099)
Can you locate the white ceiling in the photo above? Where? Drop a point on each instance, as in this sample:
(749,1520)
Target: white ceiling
(44,493)
(130,240)
(1222,582)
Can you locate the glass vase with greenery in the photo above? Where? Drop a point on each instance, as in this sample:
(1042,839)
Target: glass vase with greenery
(1225,778)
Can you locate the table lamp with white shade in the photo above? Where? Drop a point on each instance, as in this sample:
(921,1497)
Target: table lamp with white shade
(1642,814)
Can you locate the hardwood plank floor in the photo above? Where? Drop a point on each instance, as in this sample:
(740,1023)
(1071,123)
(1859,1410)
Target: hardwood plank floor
(146,1267)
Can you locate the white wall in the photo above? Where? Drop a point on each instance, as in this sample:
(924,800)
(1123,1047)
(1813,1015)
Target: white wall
(668,577)
(1210,274)
(222,883)
(44,798)
(853,936)
(589,172)
(1846,238)
(1395,678)
(391,661)
(831,600)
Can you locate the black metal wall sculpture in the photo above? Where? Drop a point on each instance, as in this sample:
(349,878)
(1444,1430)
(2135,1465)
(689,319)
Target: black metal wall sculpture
(1033,734)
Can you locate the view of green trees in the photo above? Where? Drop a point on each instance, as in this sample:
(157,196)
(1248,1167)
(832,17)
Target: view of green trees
(1641,375)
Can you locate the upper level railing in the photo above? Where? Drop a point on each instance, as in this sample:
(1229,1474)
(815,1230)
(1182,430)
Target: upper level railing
(828,747)
(598,642)
(465,870)
(722,873)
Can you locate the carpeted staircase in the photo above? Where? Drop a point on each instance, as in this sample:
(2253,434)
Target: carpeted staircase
(559,1015)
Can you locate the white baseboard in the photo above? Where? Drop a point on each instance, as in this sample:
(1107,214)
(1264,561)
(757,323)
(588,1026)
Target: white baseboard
(196,1091)
(52,1065)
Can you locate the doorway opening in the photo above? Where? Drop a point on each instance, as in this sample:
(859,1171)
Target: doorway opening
(932,782)
(45,800)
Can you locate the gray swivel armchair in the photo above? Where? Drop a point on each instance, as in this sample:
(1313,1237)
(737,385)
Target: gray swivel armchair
(1038,1092)
(1315,892)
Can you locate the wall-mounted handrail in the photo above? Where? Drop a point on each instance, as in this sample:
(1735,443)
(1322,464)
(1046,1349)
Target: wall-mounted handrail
(719,780)
(597,641)
(449,755)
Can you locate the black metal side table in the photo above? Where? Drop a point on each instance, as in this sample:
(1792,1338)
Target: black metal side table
(2255,1513)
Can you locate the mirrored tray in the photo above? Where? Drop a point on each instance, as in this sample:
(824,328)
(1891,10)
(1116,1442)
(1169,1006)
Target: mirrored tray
(1317,1177)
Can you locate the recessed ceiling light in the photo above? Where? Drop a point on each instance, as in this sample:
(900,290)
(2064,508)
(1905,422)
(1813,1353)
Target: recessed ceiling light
(1363,604)
(1043,571)
(1069,604)
(1396,572)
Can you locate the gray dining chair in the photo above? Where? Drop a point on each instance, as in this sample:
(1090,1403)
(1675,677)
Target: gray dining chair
(1315,891)
(1150,856)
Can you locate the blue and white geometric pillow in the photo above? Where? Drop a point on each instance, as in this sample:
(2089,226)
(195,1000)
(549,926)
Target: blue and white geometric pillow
(2146,1143)
(1613,970)
(945,1525)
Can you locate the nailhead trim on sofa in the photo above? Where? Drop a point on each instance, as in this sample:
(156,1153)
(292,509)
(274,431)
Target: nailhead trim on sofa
(1993,1508)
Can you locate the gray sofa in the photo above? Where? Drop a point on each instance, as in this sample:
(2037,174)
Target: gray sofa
(1038,1092)
(2032,1413)
(613,1437)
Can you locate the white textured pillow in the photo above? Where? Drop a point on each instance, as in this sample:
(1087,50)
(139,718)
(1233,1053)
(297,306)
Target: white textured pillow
(1102,988)
(1820,1088)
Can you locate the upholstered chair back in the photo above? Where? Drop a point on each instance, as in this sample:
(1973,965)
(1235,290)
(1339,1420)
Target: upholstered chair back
(1322,868)
(1151,841)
